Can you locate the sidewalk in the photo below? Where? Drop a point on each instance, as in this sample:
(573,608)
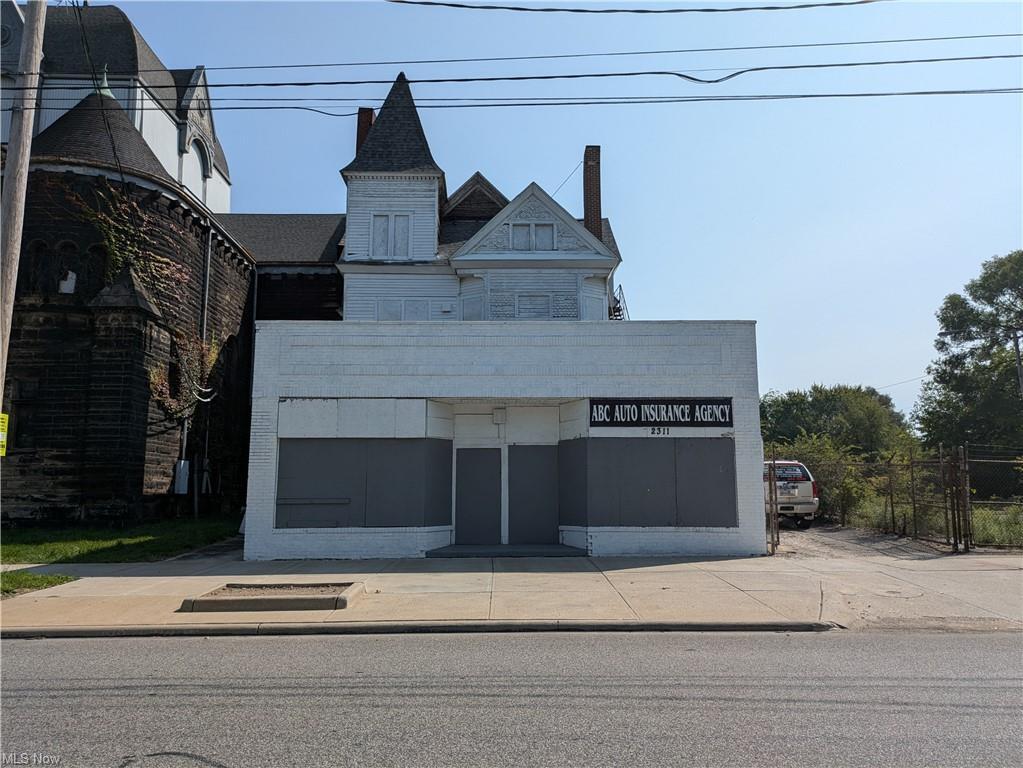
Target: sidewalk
(846,578)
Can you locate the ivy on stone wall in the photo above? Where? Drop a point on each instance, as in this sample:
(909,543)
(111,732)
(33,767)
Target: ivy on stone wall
(187,382)
(132,236)
(135,237)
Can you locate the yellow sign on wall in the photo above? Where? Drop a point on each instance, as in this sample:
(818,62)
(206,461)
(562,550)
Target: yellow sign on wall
(3,434)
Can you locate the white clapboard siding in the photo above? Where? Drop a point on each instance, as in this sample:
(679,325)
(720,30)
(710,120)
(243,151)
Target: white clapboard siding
(594,298)
(533,294)
(6,86)
(401,297)
(415,196)
(473,296)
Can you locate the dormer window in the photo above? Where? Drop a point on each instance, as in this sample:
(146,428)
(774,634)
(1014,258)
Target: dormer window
(391,236)
(532,237)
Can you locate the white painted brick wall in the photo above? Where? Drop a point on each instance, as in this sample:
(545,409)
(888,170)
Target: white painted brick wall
(509,361)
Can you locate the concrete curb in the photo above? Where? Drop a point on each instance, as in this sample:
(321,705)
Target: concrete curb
(408,627)
(206,603)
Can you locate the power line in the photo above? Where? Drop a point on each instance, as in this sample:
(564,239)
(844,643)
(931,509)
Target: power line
(577,167)
(320,109)
(95,79)
(907,381)
(586,75)
(541,57)
(777,68)
(446,101)
(528,9)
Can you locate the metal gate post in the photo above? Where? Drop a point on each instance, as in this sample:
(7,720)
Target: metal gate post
(912,495)
(954,498)
(967,511)
(944,490)
(773,534)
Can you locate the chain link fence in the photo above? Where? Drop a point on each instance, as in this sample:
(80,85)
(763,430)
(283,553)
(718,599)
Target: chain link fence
(964,496)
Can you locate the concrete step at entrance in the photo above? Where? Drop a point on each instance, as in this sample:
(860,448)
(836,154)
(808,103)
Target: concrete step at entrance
(507,550)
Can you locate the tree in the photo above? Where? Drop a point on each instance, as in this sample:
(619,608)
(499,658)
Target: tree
(858,419)
(974,392)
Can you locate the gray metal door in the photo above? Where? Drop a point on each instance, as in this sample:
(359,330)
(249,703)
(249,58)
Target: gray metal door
(478,496)
(532,494)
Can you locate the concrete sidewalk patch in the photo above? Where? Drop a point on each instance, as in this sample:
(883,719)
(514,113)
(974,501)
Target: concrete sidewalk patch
(396,627)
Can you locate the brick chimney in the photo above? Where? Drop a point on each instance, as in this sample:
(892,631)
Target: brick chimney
(591,191)
(365,122)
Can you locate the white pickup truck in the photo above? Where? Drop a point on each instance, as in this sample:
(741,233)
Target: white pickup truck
(798,497)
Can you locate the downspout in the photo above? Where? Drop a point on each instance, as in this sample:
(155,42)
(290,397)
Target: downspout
(199,470)
(252,378)
(206,280)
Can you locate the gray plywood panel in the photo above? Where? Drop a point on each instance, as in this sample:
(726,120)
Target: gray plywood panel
(705,482)
(631,481)
(646,472)
(572,481)
(437,496)
(603,488)
(532,494)
(321,483)
(478,496)
(395,483)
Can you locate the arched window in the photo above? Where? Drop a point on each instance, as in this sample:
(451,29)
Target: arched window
(33,267)
(94,270)
(204,158)
(67,267)
(197,169)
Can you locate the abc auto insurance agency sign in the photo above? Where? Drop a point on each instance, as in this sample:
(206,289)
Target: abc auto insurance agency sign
(656,416)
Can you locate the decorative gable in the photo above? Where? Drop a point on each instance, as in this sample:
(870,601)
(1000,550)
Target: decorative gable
(534,227)
(477,199)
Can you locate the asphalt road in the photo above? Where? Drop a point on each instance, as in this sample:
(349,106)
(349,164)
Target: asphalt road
(832,699)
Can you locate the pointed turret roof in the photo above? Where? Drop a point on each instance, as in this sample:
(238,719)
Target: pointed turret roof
(396,143)
(80,134)
(127,292)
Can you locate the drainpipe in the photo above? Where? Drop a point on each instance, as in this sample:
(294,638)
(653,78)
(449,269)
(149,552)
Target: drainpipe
(200,467)
(206,280)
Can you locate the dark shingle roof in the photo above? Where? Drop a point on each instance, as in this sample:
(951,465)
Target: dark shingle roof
(454,233)
(607,237)
(13,25)
(288,238)
(80,134)
(477,198)
(396,143)
(113,42)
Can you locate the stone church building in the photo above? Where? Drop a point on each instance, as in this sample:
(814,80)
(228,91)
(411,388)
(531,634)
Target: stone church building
(134,303)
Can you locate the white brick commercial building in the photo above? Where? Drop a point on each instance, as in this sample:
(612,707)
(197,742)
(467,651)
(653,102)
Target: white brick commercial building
(480,391)
(408,408)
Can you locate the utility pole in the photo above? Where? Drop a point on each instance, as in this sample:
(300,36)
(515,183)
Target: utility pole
(19,148)
(1019,362)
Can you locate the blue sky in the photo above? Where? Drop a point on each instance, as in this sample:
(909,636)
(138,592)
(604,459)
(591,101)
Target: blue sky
(839,225)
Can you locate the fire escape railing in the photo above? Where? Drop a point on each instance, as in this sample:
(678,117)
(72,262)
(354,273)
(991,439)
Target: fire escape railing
(619,309)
